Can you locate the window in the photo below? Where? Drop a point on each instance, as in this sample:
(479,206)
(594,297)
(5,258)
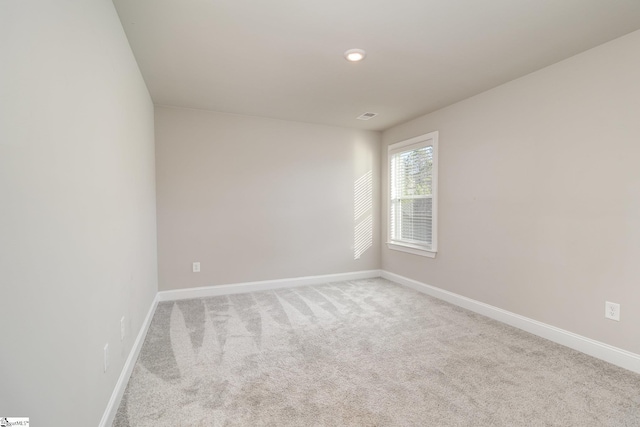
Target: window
(413,182)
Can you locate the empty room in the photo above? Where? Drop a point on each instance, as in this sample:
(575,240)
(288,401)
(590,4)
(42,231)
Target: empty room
(340,213)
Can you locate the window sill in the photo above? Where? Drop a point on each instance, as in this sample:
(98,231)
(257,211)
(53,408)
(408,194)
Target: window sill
(412,249)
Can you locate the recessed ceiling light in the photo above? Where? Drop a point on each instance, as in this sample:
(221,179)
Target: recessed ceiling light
(355,55)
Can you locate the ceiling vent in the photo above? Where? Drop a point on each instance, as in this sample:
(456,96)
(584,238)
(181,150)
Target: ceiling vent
(366,116)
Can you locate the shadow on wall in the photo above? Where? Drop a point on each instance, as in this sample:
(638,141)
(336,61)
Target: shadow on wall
(362,208)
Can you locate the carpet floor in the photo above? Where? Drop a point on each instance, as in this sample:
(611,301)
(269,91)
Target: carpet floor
(361,353)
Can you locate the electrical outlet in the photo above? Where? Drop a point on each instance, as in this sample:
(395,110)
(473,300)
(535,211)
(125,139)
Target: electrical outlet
(122,329)
(106,357)
(612,311)
(196,267)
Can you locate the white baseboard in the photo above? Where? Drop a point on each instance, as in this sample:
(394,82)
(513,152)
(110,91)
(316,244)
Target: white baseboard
(114,402)
(265,285)
(608,353)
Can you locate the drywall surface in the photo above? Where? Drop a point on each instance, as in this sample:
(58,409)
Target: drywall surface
(258,199)
(77,208)
(539,195)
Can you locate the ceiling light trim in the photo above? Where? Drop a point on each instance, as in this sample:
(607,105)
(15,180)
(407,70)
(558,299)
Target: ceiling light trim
(355,55)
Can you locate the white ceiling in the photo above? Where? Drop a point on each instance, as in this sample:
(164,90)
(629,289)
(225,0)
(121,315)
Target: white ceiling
(283,58)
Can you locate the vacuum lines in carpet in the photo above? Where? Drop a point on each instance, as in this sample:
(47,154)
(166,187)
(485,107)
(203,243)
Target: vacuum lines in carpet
(361,353)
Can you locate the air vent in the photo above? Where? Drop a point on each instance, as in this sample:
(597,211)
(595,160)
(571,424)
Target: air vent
(366,116)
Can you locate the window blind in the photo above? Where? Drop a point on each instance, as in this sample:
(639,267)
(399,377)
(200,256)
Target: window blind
(412,196)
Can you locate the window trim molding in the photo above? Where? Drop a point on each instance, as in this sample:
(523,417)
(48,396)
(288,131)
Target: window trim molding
(417,142)
(411,249)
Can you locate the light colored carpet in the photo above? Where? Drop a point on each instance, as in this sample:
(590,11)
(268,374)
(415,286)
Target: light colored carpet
(361,353)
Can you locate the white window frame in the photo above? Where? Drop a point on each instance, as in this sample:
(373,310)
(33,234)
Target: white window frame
(429,139)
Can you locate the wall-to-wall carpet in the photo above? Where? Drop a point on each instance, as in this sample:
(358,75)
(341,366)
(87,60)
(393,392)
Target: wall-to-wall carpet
(361,353)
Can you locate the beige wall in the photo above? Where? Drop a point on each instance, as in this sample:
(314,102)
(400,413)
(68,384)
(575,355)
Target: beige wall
(540,195)
(257,199)
(77,207)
